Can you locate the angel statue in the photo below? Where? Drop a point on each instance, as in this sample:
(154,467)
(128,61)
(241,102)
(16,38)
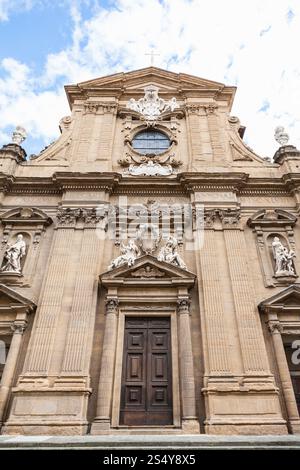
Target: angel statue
(129,254)
(283,259)
(170,255)
(13,255)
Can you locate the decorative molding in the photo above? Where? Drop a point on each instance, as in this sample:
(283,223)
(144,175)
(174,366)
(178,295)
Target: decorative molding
(146,307)
(238,154)
(272,218)
(290,332)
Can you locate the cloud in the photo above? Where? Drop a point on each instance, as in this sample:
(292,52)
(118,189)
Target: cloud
(252,47)
(14,6)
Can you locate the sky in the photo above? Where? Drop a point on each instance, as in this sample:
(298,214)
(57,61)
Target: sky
(251,44)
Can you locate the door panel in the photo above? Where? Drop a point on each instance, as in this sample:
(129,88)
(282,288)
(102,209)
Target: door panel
(146,393)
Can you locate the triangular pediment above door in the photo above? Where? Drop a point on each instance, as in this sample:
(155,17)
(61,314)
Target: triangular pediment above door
(147,270)
(10,300)
(287,299)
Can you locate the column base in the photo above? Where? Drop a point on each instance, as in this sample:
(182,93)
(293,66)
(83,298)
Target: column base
(190,426)
(100,426)
(294,425)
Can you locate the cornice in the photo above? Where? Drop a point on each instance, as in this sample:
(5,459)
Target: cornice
(181,184)
(292,181)
(131,82)
(86,181)
(201,181)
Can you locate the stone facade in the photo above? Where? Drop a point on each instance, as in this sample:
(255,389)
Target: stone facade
(203,259)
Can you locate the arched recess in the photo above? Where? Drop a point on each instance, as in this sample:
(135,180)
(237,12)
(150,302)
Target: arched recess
(14,312)
(281,312)
(149,291)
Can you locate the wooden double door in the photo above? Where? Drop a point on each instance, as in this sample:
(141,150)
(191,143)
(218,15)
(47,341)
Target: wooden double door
(146,392)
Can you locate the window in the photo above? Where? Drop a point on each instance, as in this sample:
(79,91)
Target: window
(151,142)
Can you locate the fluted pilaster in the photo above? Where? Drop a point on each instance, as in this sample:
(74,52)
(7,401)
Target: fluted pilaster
(103,413)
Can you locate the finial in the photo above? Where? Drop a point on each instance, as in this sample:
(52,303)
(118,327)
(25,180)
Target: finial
(18,135)
(281,136)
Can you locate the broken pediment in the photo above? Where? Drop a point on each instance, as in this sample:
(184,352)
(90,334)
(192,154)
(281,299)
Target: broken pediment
(287,299)
(148,270)
(271,218)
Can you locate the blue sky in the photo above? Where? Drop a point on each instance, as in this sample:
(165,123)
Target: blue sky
(45,44)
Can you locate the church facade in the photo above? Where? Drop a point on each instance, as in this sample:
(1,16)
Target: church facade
(149,268)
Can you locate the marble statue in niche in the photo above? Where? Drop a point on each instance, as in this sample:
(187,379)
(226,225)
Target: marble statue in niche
(13,255)
(129,254)
(283,259)
(169,253)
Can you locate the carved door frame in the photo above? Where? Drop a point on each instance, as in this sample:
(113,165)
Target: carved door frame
(150,288)
(127,312)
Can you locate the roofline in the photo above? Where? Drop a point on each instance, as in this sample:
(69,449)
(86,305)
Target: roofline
(81,87)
